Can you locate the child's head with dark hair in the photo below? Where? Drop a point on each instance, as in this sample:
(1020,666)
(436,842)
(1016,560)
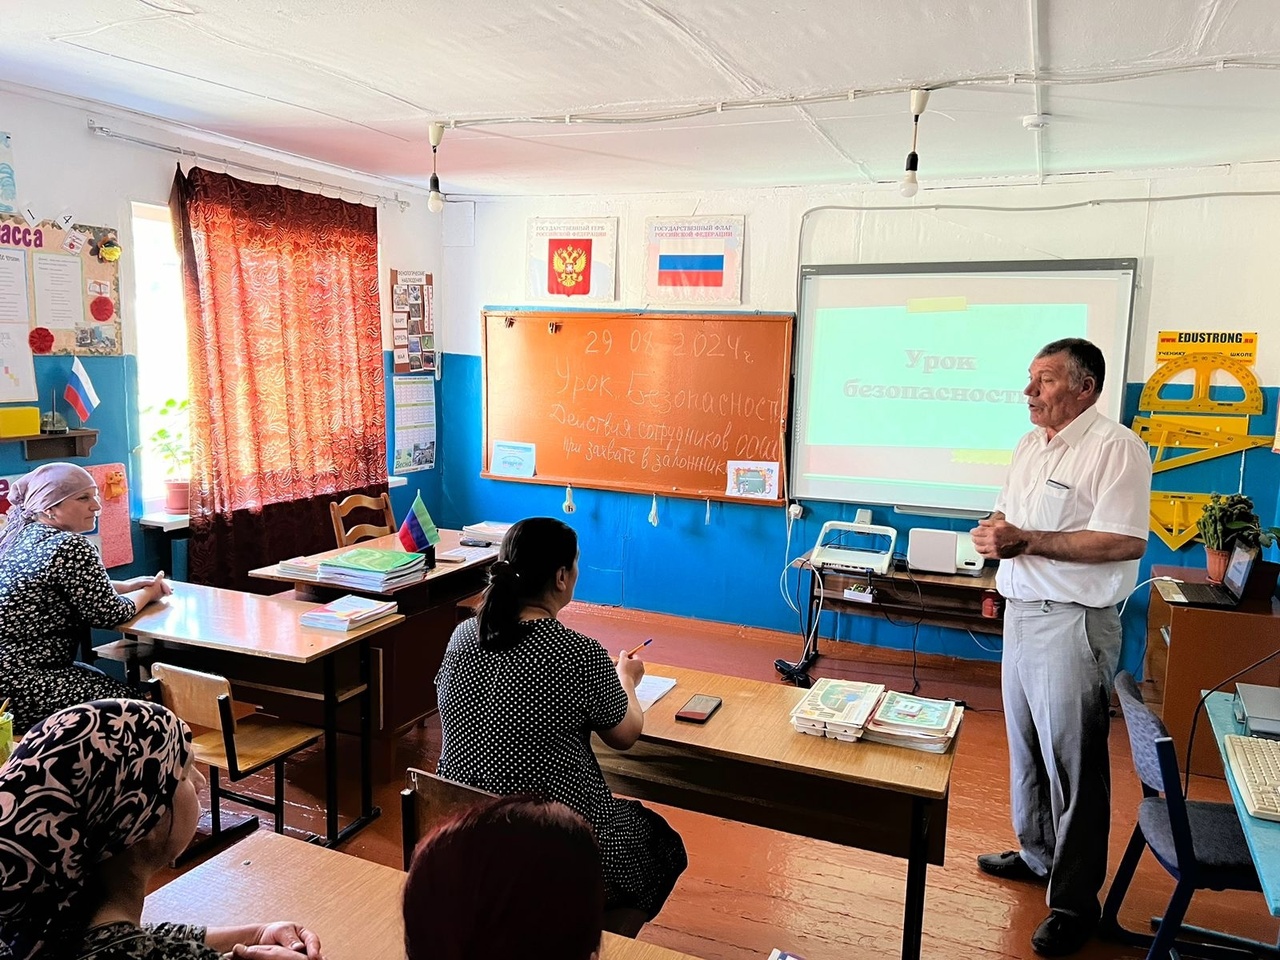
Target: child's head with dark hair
(513,877)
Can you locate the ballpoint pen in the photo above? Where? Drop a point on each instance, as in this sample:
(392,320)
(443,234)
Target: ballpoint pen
(638,647)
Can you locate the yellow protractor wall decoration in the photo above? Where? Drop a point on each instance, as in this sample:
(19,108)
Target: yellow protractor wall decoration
(1204,366)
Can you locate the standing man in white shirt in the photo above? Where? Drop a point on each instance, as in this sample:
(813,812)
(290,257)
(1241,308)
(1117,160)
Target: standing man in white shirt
(1069,528)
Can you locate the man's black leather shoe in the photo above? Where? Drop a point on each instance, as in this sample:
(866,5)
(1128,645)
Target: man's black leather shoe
(1009,866)
(1061,934)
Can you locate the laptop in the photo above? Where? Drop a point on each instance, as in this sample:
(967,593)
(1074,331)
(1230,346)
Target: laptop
(1226,594)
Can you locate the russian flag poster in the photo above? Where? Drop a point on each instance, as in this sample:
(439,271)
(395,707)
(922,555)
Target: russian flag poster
(694,259)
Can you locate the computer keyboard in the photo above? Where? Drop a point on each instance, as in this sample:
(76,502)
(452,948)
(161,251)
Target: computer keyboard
(1204,593)
(1255,765)
(465,554)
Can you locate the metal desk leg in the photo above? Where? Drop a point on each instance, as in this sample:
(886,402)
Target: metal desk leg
(917,865)
(368,812)
(331,751)
(367,809)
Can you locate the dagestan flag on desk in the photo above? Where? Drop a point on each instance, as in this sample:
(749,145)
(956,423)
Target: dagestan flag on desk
(418,530)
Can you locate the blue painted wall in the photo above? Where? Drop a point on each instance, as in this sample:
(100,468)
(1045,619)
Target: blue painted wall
(728,569)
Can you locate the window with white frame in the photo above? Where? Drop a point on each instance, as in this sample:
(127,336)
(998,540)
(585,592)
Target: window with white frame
(161,345)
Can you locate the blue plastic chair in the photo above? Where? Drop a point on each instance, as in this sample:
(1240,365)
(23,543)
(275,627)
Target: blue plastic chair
(1201,844)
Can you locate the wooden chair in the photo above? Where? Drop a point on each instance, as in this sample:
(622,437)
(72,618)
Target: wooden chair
(361,531)
(231,737)
(428,799)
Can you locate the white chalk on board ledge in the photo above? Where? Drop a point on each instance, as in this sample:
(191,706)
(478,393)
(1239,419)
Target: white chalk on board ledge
(653,511)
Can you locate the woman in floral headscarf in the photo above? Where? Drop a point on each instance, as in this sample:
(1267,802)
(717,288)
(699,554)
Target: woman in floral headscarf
(53,588)
(93,802)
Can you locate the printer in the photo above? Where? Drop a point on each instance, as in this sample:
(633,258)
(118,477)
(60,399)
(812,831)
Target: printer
(1258,708)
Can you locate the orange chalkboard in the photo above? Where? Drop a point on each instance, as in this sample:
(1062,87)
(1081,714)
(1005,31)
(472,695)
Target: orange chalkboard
(644,402)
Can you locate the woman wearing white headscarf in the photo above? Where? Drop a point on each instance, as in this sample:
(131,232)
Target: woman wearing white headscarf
(53,588)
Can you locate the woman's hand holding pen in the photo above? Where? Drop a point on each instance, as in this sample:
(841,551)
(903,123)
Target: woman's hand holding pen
(630,667)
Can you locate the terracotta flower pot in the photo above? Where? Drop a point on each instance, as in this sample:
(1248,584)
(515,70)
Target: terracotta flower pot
(1216,563)
(177,496)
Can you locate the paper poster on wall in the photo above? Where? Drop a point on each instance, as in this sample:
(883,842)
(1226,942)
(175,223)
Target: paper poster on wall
(17,368)
(1237,344)
(512,459)
(8,179)
(571,259)
(694,259)
(752,479)
(72,284)
(414,399)
(410,302)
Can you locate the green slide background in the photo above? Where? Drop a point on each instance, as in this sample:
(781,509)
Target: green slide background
(871,344)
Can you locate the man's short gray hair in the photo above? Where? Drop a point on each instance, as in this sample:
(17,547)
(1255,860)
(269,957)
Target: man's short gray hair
(1084,359)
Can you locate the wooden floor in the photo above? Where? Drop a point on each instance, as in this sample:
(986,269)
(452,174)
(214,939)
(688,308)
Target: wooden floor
(748,890)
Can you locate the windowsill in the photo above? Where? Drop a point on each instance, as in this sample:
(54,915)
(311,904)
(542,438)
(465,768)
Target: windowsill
(168,522)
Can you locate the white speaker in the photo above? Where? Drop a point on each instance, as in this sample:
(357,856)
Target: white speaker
(931,550)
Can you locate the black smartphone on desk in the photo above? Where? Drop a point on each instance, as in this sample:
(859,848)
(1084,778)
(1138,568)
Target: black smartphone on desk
(699,708)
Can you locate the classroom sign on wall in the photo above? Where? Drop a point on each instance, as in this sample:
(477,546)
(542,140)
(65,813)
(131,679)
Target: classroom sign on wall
(573,260)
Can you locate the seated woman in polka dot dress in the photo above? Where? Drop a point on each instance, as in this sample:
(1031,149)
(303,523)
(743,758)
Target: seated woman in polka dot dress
(520,695)
(53,588)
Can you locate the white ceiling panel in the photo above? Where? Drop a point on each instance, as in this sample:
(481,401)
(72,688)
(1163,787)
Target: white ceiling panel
(357,84)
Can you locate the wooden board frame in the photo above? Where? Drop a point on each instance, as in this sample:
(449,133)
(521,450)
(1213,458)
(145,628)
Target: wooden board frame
(776,375)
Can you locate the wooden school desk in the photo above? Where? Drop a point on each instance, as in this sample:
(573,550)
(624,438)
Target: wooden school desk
(352,905)
(407,657)
(747,763)
(257,642)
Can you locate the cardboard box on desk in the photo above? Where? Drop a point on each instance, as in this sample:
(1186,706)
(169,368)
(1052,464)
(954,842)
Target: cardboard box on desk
(19,421)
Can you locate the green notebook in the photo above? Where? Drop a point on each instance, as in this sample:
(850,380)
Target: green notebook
(374,561)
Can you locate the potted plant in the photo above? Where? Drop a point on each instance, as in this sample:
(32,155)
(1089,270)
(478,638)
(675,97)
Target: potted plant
(1225,520)
(170,441)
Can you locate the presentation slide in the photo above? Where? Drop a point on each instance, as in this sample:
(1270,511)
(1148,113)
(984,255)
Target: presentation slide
(909,385)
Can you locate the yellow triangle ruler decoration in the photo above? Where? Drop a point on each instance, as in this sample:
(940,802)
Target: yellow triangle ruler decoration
(1210,437)
(1174,516)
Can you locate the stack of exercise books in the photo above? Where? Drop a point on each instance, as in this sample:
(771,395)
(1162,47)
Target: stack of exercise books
(300,568)
(838,709)
(914,722)
(347,613)
(366,568)
(491,531)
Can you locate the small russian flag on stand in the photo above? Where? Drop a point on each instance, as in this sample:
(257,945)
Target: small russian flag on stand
(80,393)
(418,533)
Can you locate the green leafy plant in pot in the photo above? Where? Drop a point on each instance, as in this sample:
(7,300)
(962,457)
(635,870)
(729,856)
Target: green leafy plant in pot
(170,441)
(1226,520)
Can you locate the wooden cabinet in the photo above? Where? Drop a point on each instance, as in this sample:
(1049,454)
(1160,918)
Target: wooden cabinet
(1190,649)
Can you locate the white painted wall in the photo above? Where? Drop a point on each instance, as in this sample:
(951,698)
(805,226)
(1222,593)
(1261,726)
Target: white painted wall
(1208,263)
(61,166)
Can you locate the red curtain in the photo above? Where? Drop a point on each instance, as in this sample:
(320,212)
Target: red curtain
(288,404)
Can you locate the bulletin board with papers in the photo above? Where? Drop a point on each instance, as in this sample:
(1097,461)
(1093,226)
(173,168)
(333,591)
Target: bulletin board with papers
(59,294)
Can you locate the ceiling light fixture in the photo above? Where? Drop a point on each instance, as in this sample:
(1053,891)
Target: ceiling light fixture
(909,185)
(435,200)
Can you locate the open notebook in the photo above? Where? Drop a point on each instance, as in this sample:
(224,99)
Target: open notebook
(651,689)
